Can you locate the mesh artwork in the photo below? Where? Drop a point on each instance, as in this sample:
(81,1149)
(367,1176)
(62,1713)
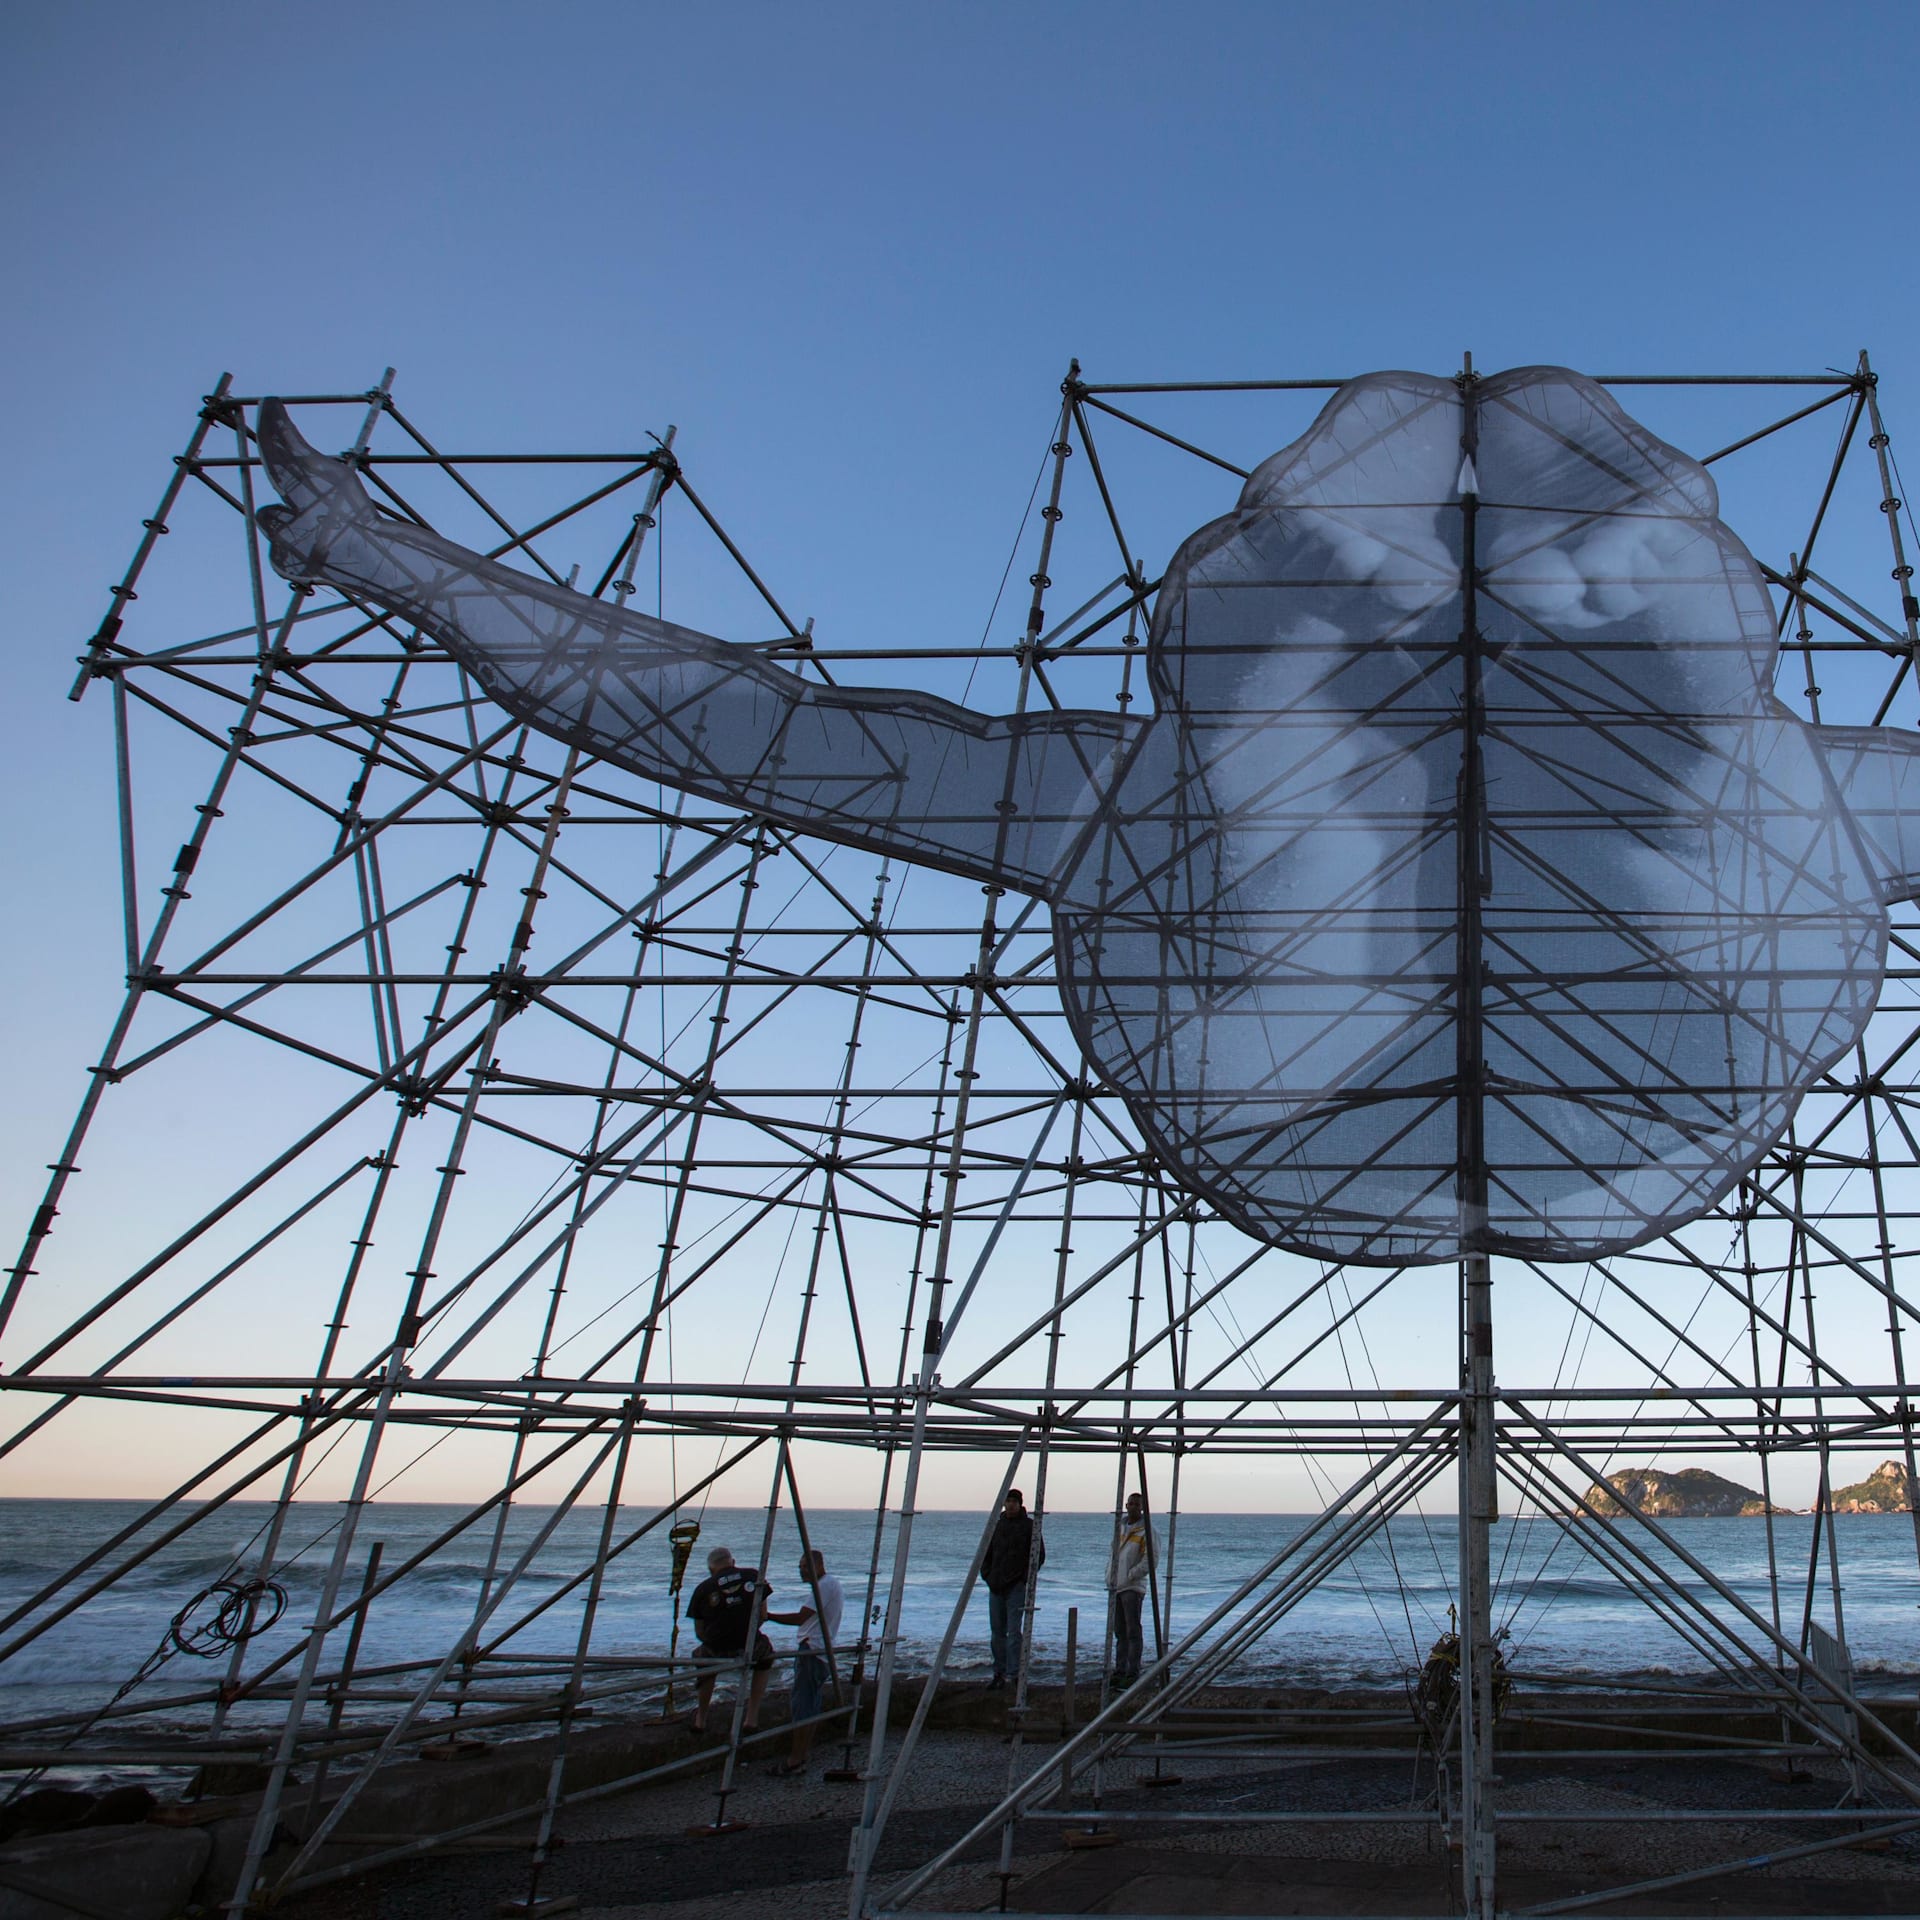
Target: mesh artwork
(1467,889)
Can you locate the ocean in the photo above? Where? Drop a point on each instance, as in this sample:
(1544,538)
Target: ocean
(1365,1626)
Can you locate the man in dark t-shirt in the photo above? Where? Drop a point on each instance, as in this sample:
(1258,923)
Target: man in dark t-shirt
(726,1607)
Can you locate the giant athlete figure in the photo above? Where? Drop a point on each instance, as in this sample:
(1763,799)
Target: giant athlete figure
(1465,796)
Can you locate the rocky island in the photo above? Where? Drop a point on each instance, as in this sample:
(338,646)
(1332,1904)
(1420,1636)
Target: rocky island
(1695,1494)
(1887,1489)
(1691,1494)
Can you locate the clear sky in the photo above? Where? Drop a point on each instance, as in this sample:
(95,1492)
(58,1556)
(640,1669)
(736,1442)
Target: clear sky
(849,250)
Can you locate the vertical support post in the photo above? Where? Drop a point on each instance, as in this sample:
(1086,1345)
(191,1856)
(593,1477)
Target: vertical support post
(1036,1551)
(1153,1568)
(827,1646)
(1073,1661)
(1478,1490)
(407,1328)
(343,1687)
(1121,1461)
(1890,504)
(646,518)
(123,785)
(1178,1348)
(927,1380)
(846,1769)
(874,1819)
(1067,1702)
(1877,1167)
(576,1681)
(219,410)
(1823,1516)
(1478,1511)
(825,1217)
(1766,1427)
(214,410)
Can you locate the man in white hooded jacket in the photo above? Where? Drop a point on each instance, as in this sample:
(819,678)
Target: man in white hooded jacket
(1128,1572)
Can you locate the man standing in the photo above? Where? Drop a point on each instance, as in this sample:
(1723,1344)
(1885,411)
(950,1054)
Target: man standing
(818,1619)
(1128,1572)
(1010,1561)
(722,1611)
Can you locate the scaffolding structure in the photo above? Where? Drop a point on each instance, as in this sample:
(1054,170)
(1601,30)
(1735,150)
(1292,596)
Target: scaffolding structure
(509,1074)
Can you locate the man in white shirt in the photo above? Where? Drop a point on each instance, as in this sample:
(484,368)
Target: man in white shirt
(818,1619)
(1128,1572)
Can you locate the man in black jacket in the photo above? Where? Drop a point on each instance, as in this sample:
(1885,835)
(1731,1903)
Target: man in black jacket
(727,1606)
(1010,1559)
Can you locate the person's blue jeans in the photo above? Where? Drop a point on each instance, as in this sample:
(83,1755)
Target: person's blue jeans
(1127,1639)
(809,1677)
(1005,1611)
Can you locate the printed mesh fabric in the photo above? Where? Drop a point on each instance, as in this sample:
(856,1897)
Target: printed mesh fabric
(1260,893)
(1678,928)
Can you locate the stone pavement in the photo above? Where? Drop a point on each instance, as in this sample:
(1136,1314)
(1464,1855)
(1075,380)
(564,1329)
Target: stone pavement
(1148,1880)
(633,1858)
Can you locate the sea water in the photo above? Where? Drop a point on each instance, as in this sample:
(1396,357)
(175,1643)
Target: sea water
(1365,1625)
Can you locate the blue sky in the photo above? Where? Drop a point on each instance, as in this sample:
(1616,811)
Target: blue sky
(849,250)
